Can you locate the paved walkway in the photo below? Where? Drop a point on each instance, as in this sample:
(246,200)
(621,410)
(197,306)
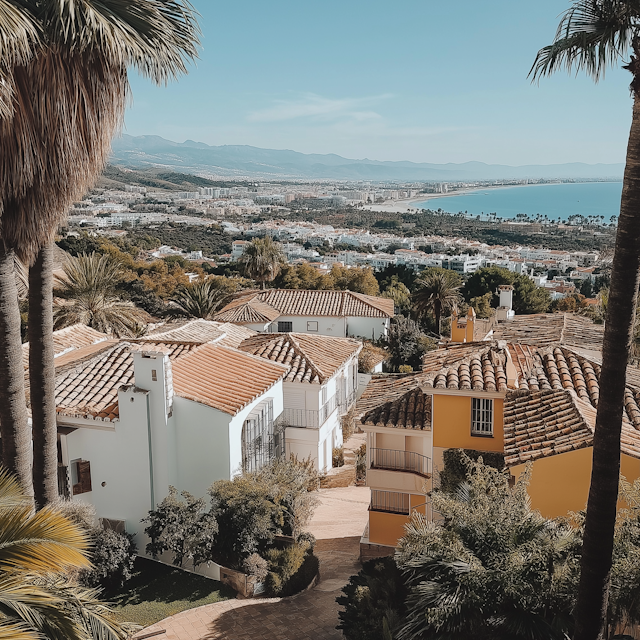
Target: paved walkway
(313,615)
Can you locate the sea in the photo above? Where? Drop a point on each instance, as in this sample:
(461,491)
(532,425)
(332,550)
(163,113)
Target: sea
(558,200)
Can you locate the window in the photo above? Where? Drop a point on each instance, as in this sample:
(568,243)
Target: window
(482,417)
(390,501)
(80,477)
(258,444)
(312,325)
(285,327)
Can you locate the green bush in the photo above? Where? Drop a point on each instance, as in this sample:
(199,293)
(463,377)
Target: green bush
(290,569)
(455,471)
(373,597)
(112,558)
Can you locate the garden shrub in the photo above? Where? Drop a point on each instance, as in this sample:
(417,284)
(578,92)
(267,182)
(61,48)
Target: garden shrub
(290,570)
(338,457)
(112,558)
(306,540)
(361,462)
(256,565)
(372,597)
(455,470)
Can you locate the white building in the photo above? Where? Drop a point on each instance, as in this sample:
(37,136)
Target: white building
(329,313)
(319,388)
(136,417)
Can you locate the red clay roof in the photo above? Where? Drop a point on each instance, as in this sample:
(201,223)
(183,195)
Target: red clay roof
(223,378)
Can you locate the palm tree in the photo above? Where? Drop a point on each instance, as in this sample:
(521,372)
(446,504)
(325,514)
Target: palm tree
(436,290)
(203,298)
(88,296)
(42,379)
(36,600)
(593,34)
(262,260)
(63,89)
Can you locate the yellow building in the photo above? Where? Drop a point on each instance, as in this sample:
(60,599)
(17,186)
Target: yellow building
(533,399)
(456,401)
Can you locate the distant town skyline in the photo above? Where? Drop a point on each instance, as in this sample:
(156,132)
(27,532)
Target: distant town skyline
(420,81)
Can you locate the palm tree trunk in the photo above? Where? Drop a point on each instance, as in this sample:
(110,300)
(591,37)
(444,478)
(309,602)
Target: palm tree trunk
(42,378)
(591,606)
(437,312)
(14,425)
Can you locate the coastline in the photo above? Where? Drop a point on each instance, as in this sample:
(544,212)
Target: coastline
(404,206)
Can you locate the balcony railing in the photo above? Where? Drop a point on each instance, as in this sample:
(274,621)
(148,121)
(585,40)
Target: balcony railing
(391,460)
(307,418)
(63,481)
(345,400)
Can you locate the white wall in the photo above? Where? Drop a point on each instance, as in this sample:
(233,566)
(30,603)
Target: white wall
(119,457)
(315,443)
(370,328)
(327,325)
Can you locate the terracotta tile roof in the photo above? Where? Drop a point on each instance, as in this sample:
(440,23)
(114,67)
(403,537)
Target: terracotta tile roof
(310,358)
(303,302)
(223,378)
(410,411)
(545,423)
(88,379)
(387,387)
(248,311)
(198,330)
(73,337)
(551,329)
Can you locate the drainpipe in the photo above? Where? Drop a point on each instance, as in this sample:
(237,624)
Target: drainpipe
(153,498)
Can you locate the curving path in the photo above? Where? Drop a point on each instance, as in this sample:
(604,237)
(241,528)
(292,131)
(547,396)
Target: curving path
(313,615)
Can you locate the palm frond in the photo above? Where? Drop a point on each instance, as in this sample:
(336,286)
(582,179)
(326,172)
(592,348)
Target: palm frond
(203,299)
(11,494)
(43,542)
(592,35)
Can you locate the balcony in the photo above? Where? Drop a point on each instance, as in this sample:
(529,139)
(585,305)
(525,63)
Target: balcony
(345,400)
(391,460)
(307,418)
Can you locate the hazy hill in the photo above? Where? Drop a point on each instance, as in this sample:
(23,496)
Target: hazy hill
(240,160)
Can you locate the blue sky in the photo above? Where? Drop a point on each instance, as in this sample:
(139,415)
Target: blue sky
(420,80)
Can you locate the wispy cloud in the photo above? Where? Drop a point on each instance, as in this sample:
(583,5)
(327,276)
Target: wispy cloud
(315,107)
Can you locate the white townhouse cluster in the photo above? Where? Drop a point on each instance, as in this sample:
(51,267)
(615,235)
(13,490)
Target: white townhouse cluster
(191,403)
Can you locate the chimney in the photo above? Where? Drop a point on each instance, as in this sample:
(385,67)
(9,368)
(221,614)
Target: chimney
(505,310)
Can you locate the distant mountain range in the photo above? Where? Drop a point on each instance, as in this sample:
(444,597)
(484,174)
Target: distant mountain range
(246,161)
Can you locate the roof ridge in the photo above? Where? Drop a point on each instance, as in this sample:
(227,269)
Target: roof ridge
(300,351)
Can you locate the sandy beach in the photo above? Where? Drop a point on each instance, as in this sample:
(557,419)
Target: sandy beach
(402,206)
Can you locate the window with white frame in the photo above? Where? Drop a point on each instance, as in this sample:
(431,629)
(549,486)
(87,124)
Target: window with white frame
(482,417)
(312,325)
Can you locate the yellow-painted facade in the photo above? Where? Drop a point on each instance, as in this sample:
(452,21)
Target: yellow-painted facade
(452,424)
(388,528)
(462,329)
(560,483)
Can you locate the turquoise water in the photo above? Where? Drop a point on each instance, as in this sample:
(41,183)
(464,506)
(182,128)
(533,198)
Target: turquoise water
(552,200)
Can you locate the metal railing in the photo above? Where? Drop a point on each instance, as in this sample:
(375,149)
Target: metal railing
(392,460)
(346,400)
(308,418)
(63,481)
(390,502)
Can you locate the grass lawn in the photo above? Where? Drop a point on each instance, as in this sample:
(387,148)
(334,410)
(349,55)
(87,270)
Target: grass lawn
(157,591)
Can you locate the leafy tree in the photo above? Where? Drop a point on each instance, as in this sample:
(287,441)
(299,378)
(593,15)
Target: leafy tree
(302,276)
(436,291)
(204,298)
(262,260)
(455,469)
(38,600)
(406,343)
(572,303)
(375,595)
(593,34)
(527,296)
(396,273)
(358,279)
(369,357)
(181,526)
(586,288)
(494,569)
(399,293)
(482,305)
(89,296)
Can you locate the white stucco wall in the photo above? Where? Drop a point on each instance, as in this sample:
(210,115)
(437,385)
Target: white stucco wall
(119,457)
(370,328)
(327,325)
